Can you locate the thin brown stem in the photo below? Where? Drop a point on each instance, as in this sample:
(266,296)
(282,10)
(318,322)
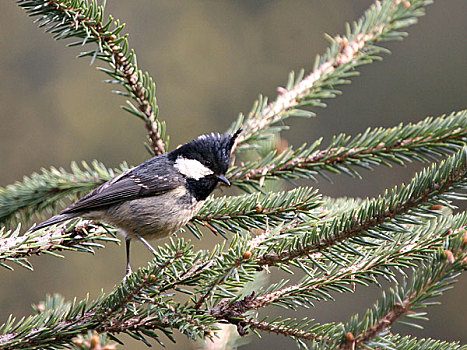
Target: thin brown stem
(121,64)
(273,258)
(400,309)
(83,322)
(19,247)
(341,155)
(281,330)
(289,99)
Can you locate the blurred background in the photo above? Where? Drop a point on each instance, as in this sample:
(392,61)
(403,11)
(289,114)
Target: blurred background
(210,60)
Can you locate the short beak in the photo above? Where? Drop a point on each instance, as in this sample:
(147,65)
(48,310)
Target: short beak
(223,179)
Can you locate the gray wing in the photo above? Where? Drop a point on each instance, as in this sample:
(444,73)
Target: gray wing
(148,179)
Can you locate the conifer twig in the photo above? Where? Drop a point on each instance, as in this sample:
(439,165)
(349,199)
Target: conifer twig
(408,247)
(301,331)
(83,20)
(63,321)
(403,252)
(44,190)
(255,210)
(427,188)
(435,277)
(410,342)
(357,47)
(429,138)
(83,238)
(280,329)
(424,141)
(385,322)
(141,322)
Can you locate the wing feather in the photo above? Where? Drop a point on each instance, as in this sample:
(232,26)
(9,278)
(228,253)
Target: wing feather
(143,181)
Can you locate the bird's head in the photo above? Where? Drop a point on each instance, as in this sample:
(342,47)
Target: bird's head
(205,161)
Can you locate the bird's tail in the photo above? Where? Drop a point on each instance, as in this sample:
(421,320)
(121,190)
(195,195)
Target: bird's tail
(53,220)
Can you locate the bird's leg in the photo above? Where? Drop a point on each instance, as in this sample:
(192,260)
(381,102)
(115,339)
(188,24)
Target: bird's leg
(147,244)
(128,266)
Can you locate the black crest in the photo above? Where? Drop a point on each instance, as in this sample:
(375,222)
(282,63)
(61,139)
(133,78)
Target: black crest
(212,150)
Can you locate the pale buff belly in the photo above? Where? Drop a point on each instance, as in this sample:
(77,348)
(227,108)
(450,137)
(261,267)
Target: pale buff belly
(152,217)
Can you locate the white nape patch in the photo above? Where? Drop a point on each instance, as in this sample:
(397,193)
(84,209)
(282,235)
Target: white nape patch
(192,168)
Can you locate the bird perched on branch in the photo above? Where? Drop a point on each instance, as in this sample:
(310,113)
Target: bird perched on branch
(159,196)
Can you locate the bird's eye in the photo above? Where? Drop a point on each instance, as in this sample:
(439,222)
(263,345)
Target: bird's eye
(208,163)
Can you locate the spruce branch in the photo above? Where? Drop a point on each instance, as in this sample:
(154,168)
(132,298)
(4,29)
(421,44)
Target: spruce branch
(255,211)
(85,20)
(430,281)
(81,238)
(381,22)
(410,343)
(174,265)
(122,311)
(385,214)
(228,272)
(444,265)
(413,244)
(231,213)
(406,250)
(41,191)
(424,141)
(61,323)
(299,330)
(427,139)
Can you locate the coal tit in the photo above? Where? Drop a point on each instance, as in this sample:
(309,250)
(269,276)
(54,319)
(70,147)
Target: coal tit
(159,196)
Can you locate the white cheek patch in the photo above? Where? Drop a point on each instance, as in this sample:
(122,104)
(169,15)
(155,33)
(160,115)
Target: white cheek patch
(192,168)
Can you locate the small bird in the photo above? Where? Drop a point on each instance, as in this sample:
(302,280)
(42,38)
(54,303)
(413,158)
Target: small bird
(159,196)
